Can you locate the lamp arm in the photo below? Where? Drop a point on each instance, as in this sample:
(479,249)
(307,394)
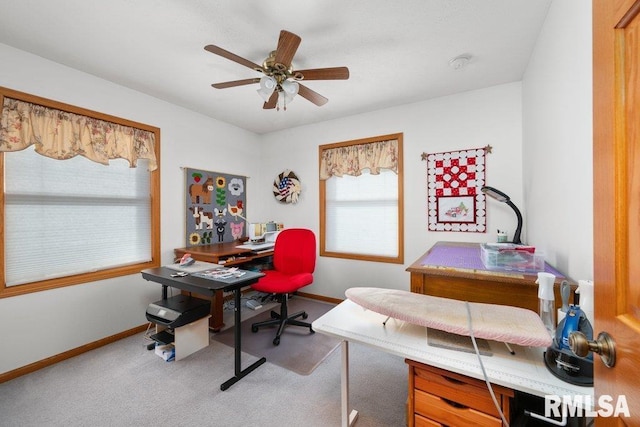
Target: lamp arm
(516,235)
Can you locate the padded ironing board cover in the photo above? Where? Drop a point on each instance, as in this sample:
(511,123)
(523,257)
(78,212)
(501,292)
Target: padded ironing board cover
(489,321)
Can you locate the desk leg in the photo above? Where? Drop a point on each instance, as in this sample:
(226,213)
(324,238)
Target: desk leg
(237,335)
(348,419)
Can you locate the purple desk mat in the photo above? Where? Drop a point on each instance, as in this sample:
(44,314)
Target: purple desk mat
(467,257)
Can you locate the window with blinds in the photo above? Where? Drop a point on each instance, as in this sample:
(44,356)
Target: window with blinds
(67,217)
(361,212)
(78,209)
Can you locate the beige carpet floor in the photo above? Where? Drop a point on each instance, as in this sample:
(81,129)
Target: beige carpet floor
(299,351)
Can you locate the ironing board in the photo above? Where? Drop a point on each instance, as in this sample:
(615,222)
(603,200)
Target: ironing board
(502,323)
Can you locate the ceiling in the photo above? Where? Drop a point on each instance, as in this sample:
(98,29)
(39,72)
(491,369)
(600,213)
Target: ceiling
(397,52)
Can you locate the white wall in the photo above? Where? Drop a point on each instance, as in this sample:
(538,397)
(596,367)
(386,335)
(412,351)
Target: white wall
(43,324)
(542,127)
(557,135)
(474,119)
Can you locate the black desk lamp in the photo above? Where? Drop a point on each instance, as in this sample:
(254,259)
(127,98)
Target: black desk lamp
(501,197)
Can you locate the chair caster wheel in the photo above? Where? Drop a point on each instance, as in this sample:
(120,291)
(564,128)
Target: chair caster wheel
(254,329)
(305,315)
(276,341)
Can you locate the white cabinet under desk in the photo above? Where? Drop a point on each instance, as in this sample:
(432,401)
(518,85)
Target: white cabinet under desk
(182,321)
(187,339)
(524,372)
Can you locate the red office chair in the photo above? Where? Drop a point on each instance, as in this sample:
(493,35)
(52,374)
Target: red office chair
(294,260)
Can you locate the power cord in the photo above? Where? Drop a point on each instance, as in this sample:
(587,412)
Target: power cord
(484,373)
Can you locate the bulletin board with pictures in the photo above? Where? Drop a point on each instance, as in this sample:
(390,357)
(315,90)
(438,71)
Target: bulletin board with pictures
(216,206)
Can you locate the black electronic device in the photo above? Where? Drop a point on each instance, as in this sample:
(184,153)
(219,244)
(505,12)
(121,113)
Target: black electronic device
(528,411)
(178,310)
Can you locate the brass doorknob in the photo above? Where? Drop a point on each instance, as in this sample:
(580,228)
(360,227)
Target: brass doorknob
(604,345)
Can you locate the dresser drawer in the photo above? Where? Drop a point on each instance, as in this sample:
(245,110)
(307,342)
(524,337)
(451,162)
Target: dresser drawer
(449,413)
(420,421)
(465,391)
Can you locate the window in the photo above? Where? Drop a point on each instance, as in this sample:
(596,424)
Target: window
(361,199)
(74,221)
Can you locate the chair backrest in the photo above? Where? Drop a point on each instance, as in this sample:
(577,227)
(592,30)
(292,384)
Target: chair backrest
(295,251)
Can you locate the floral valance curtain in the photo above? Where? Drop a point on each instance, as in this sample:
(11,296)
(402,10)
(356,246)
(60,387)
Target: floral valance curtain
(62,135)
(353,159)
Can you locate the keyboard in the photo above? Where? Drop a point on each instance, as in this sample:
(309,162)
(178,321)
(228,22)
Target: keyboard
(257,246)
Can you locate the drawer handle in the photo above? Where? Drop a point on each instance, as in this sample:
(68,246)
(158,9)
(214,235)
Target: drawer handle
(453,380)
(454,404)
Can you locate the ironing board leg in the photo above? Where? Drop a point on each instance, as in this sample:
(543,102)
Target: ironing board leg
(509,348)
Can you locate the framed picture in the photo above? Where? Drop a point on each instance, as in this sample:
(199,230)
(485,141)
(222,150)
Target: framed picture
(456,209)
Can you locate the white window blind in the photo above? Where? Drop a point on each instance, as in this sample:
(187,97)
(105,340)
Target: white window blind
(362,214)
(65,217)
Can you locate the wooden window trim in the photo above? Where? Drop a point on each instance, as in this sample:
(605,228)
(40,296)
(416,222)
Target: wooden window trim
(399,259)
(96,275)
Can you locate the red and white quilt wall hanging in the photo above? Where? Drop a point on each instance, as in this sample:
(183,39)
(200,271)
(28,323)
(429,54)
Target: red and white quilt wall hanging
(455,201)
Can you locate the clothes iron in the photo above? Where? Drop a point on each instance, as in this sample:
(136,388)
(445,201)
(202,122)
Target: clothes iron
(559,358)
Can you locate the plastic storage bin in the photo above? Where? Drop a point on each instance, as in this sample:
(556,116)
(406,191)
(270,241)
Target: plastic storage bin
(507,256)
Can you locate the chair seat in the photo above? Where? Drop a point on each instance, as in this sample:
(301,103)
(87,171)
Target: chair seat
(278,282)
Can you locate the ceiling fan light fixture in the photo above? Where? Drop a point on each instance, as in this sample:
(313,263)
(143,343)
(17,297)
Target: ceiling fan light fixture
(288,91)
(290,88)
(268,83)
(267,86)
(278,82)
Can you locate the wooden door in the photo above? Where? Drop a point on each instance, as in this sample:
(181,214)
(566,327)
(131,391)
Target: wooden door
(616,161)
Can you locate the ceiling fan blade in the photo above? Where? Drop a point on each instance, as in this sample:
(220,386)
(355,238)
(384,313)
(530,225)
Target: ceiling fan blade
(312,96)
(287,46)
(271,103)
(232,56)
(335,73)
(235,83)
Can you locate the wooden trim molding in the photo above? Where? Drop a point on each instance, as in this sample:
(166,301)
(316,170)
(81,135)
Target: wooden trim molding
(35,366)
(154,222)
(49,361)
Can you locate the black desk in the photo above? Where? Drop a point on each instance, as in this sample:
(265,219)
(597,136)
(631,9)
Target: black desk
(209,287)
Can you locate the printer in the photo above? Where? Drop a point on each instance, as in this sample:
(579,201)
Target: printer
(178,311)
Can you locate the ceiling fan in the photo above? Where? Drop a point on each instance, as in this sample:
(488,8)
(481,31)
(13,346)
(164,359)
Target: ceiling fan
(280,83)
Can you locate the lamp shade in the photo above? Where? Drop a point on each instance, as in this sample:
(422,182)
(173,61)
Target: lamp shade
(267,86)
(287,91)
(290,87)
(502,197)
(290,90)
(495,193)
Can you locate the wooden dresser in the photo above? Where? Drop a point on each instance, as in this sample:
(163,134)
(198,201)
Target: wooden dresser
(444,398)
(455,270)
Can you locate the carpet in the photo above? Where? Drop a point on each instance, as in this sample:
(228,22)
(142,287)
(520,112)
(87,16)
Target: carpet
(299,351)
